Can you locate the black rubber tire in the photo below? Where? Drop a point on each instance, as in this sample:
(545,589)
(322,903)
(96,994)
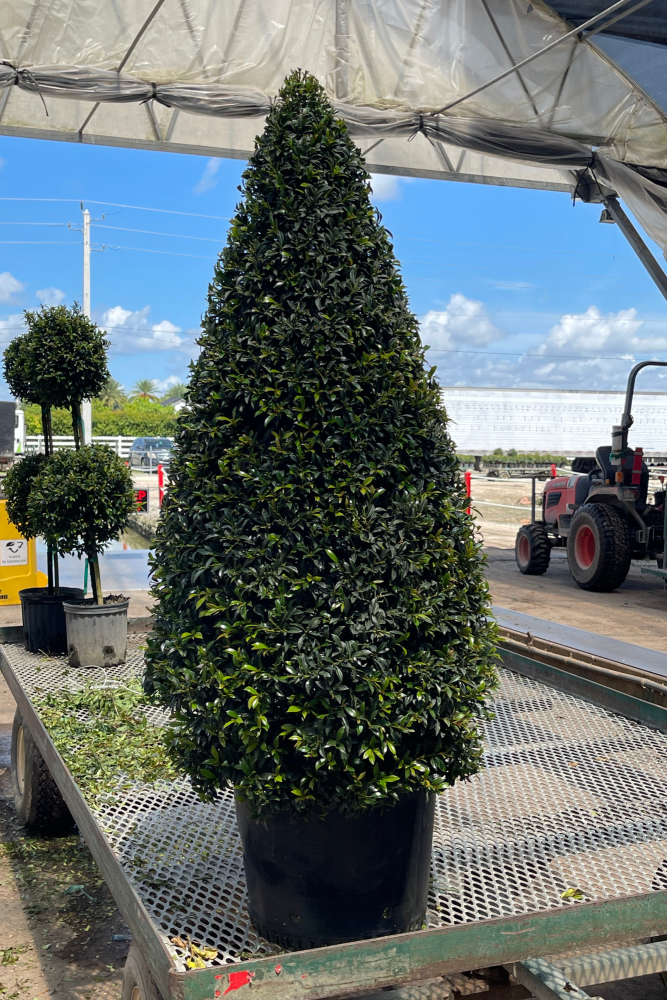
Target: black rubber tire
(37,798)
(609,548)
(532,550)
(138,984)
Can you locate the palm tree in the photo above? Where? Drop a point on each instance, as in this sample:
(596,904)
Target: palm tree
(112,394)
(144,389)
(175,391)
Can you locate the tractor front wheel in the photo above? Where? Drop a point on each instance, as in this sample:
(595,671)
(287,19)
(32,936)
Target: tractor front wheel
(532,550)
(598,548)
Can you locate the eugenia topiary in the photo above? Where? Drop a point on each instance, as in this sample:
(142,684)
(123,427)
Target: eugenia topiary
(59,361)
(321,630)
(79,502)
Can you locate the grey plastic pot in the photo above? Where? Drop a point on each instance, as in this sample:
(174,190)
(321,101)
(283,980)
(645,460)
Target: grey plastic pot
(96,634)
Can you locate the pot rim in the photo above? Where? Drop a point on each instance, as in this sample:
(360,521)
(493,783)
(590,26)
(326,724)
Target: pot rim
(118,608)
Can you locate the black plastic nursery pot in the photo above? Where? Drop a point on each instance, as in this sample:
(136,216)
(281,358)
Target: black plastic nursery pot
(317,882)
(44,627)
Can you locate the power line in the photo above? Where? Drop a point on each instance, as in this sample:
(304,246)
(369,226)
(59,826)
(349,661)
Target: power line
(412,239)
(113,204)
(166,253)
(496,246)
(148,232)
(538,357)
(525,287)
(513,270)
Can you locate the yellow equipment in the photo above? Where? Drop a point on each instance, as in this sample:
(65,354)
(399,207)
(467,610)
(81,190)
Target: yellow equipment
(18,561)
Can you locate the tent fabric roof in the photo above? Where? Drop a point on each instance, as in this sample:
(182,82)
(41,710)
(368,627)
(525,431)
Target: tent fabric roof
(199,75)
(649,24)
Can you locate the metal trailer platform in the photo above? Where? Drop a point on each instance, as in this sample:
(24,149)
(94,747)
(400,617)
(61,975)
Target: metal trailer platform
(572,797)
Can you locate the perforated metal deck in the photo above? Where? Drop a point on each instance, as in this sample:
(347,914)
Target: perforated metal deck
(572,797)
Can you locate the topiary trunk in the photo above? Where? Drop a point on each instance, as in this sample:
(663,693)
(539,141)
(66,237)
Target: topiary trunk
(321,627)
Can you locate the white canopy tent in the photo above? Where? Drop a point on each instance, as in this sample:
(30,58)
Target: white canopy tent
(490,91)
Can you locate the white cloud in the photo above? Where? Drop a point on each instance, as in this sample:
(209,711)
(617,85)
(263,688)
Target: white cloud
(50,296)
(591,331)
(162,384)
(581,351)
(208,179)
(385,187)
(9,285)
(131,333)
(11,327)
(464,322)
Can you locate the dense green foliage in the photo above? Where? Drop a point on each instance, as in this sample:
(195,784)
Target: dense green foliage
(17,486)
(134,419)
(321,630)
(81,500)
(61,358)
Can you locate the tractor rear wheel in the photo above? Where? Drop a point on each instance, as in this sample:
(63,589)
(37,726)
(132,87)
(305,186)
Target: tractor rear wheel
(532,550)
(598,548)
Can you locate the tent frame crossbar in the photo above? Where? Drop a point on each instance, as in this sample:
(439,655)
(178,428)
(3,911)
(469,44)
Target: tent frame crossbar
(574,33)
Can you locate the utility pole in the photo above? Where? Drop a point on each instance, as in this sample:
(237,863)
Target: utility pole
(86,406)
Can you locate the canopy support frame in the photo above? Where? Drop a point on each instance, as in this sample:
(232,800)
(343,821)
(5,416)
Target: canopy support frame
(613,206)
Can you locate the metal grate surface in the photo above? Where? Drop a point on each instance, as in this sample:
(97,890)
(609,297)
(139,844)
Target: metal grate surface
(572,798)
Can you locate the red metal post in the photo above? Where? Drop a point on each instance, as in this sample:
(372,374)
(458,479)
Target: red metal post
(468,479)
(160,483)
(553,471)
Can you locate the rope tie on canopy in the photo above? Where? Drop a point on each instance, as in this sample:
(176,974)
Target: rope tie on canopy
(25,74)
(419,127)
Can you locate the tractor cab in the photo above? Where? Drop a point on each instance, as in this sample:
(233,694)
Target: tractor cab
(602,516)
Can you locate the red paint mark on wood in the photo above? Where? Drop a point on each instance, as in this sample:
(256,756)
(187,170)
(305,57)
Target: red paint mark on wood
(279,969)
(239,979)
(217,993)
(218,977)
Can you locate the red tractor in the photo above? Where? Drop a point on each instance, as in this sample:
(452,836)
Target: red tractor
(599,513)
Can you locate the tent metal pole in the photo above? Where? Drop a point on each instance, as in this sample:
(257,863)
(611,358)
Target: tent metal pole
(342,78)
(547,48)
(617,213)
(137,38)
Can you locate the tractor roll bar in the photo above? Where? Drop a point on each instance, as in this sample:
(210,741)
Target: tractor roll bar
(626,419)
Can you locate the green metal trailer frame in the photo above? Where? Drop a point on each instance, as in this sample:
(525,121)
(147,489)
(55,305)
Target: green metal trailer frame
(370,965)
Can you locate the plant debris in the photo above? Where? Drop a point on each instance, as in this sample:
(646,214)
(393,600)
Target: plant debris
(196,955)
(112,745)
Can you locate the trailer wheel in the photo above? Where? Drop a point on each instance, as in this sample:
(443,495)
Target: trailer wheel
(138,983)
(598,548)
(532,550)
(37,798)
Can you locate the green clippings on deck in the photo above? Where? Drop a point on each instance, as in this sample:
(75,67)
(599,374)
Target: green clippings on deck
(114,746)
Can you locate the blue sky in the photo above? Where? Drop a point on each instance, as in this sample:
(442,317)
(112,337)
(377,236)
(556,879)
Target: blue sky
(513,287)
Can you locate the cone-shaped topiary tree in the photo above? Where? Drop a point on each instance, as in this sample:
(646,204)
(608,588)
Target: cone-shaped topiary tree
(321,629)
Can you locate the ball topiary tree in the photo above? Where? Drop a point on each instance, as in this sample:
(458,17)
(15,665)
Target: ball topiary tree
(321,629)
(60,361)
(17,486)
(80,501)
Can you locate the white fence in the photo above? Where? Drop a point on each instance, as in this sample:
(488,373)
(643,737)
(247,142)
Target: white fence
(35,443)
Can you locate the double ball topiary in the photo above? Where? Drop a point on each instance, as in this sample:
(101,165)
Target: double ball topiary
(321,629)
